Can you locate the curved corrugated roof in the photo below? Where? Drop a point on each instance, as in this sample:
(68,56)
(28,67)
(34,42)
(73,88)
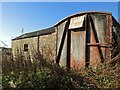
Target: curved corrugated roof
(82,13)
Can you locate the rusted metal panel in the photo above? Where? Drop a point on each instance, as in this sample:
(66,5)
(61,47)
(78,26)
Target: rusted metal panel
(99,34)
(100,26)
(61,43)
(94,52)
(109,36)
(78,41)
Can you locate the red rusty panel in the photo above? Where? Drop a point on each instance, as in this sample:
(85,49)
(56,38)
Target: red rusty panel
(78,42)
(108,36)
(99,21)
(94,52)
(103,34)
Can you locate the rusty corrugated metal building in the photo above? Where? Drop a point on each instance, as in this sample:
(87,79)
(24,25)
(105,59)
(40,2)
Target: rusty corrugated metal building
(78,40)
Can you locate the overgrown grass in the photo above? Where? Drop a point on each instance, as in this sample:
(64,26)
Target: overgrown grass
(105,75)
(24,74)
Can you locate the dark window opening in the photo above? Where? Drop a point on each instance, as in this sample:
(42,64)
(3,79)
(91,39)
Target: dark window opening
(25,47)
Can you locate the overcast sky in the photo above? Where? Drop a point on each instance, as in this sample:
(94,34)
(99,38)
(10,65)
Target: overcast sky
(34,16)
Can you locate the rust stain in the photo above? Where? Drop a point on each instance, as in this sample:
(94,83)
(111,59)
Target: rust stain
(94,52)
(108,36)
(77,49)
(72,62)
